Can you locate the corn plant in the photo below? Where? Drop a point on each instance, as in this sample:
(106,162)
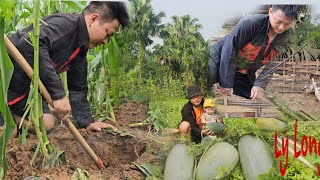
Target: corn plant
(36,109)
(6,69)
(113,64)
(98,84)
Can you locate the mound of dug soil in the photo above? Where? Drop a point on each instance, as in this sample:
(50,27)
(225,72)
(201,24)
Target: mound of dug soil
(117,152)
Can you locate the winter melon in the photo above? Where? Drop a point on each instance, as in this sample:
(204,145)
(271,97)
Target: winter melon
(179,163)
(255,157)
(217,162)
(272,124)
(216,127)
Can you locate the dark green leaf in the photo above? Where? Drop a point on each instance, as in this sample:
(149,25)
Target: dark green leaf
(6,69)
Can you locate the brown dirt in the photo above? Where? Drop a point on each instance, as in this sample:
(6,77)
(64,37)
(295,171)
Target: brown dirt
(117,152)
(299,101)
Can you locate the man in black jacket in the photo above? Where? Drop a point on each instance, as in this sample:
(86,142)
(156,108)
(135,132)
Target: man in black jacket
(255,41)
(64,42)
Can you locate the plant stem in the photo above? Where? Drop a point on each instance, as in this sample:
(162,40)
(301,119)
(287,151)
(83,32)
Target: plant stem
(64,80)
(37,98)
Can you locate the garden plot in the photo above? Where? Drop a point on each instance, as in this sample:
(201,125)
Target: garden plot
(117,151)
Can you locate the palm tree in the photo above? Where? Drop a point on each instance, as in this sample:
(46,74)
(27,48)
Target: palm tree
(184,51)
(145,25)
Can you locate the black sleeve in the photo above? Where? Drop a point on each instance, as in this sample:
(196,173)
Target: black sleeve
(239,37)
(78,89)
(48,74)
(52,33)
(186,113)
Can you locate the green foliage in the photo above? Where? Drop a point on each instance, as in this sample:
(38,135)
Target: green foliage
(236,173)
(75,5)
(18,13)
(153,86)
(168,111)
(55,159)
(7,13)
(6,7)
(98,85)
(184,52)
(237,127)
(305,128)
(113,65)
(307,31)
(151,171)
(295,170)
(197,149)
(145,24)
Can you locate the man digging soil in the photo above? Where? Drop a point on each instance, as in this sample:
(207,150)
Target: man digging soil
(64,43)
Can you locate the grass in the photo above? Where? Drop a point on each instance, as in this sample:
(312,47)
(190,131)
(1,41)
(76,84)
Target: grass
(167,112)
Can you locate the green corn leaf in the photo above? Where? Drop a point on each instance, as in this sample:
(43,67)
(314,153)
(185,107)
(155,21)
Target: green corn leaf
(6,69)
(55,158)
(24,16)
(148,169)
(94,67)
(113,63)
(27,7)
(6,10)
(76,5)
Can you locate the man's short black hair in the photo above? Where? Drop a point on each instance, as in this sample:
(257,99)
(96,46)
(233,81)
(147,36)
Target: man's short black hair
(291,11)
(109,11)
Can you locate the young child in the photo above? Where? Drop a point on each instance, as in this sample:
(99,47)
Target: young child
(191,114)
(209,115)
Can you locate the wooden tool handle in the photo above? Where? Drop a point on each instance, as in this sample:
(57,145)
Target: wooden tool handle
(84,144)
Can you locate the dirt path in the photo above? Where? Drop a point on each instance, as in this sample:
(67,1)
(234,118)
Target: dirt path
(298,101)
(117,152)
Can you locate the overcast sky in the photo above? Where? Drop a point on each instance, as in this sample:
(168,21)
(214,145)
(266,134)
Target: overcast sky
(213,13)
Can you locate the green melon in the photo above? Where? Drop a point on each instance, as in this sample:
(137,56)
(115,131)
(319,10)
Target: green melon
(179,163)
(217,162)
(255,157)
(272,124)
(216,127)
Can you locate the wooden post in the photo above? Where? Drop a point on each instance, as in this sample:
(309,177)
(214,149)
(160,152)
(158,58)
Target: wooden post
(225,103)
(317,73)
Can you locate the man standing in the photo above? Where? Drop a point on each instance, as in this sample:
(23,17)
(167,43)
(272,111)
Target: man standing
(64,42)
(255,41)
